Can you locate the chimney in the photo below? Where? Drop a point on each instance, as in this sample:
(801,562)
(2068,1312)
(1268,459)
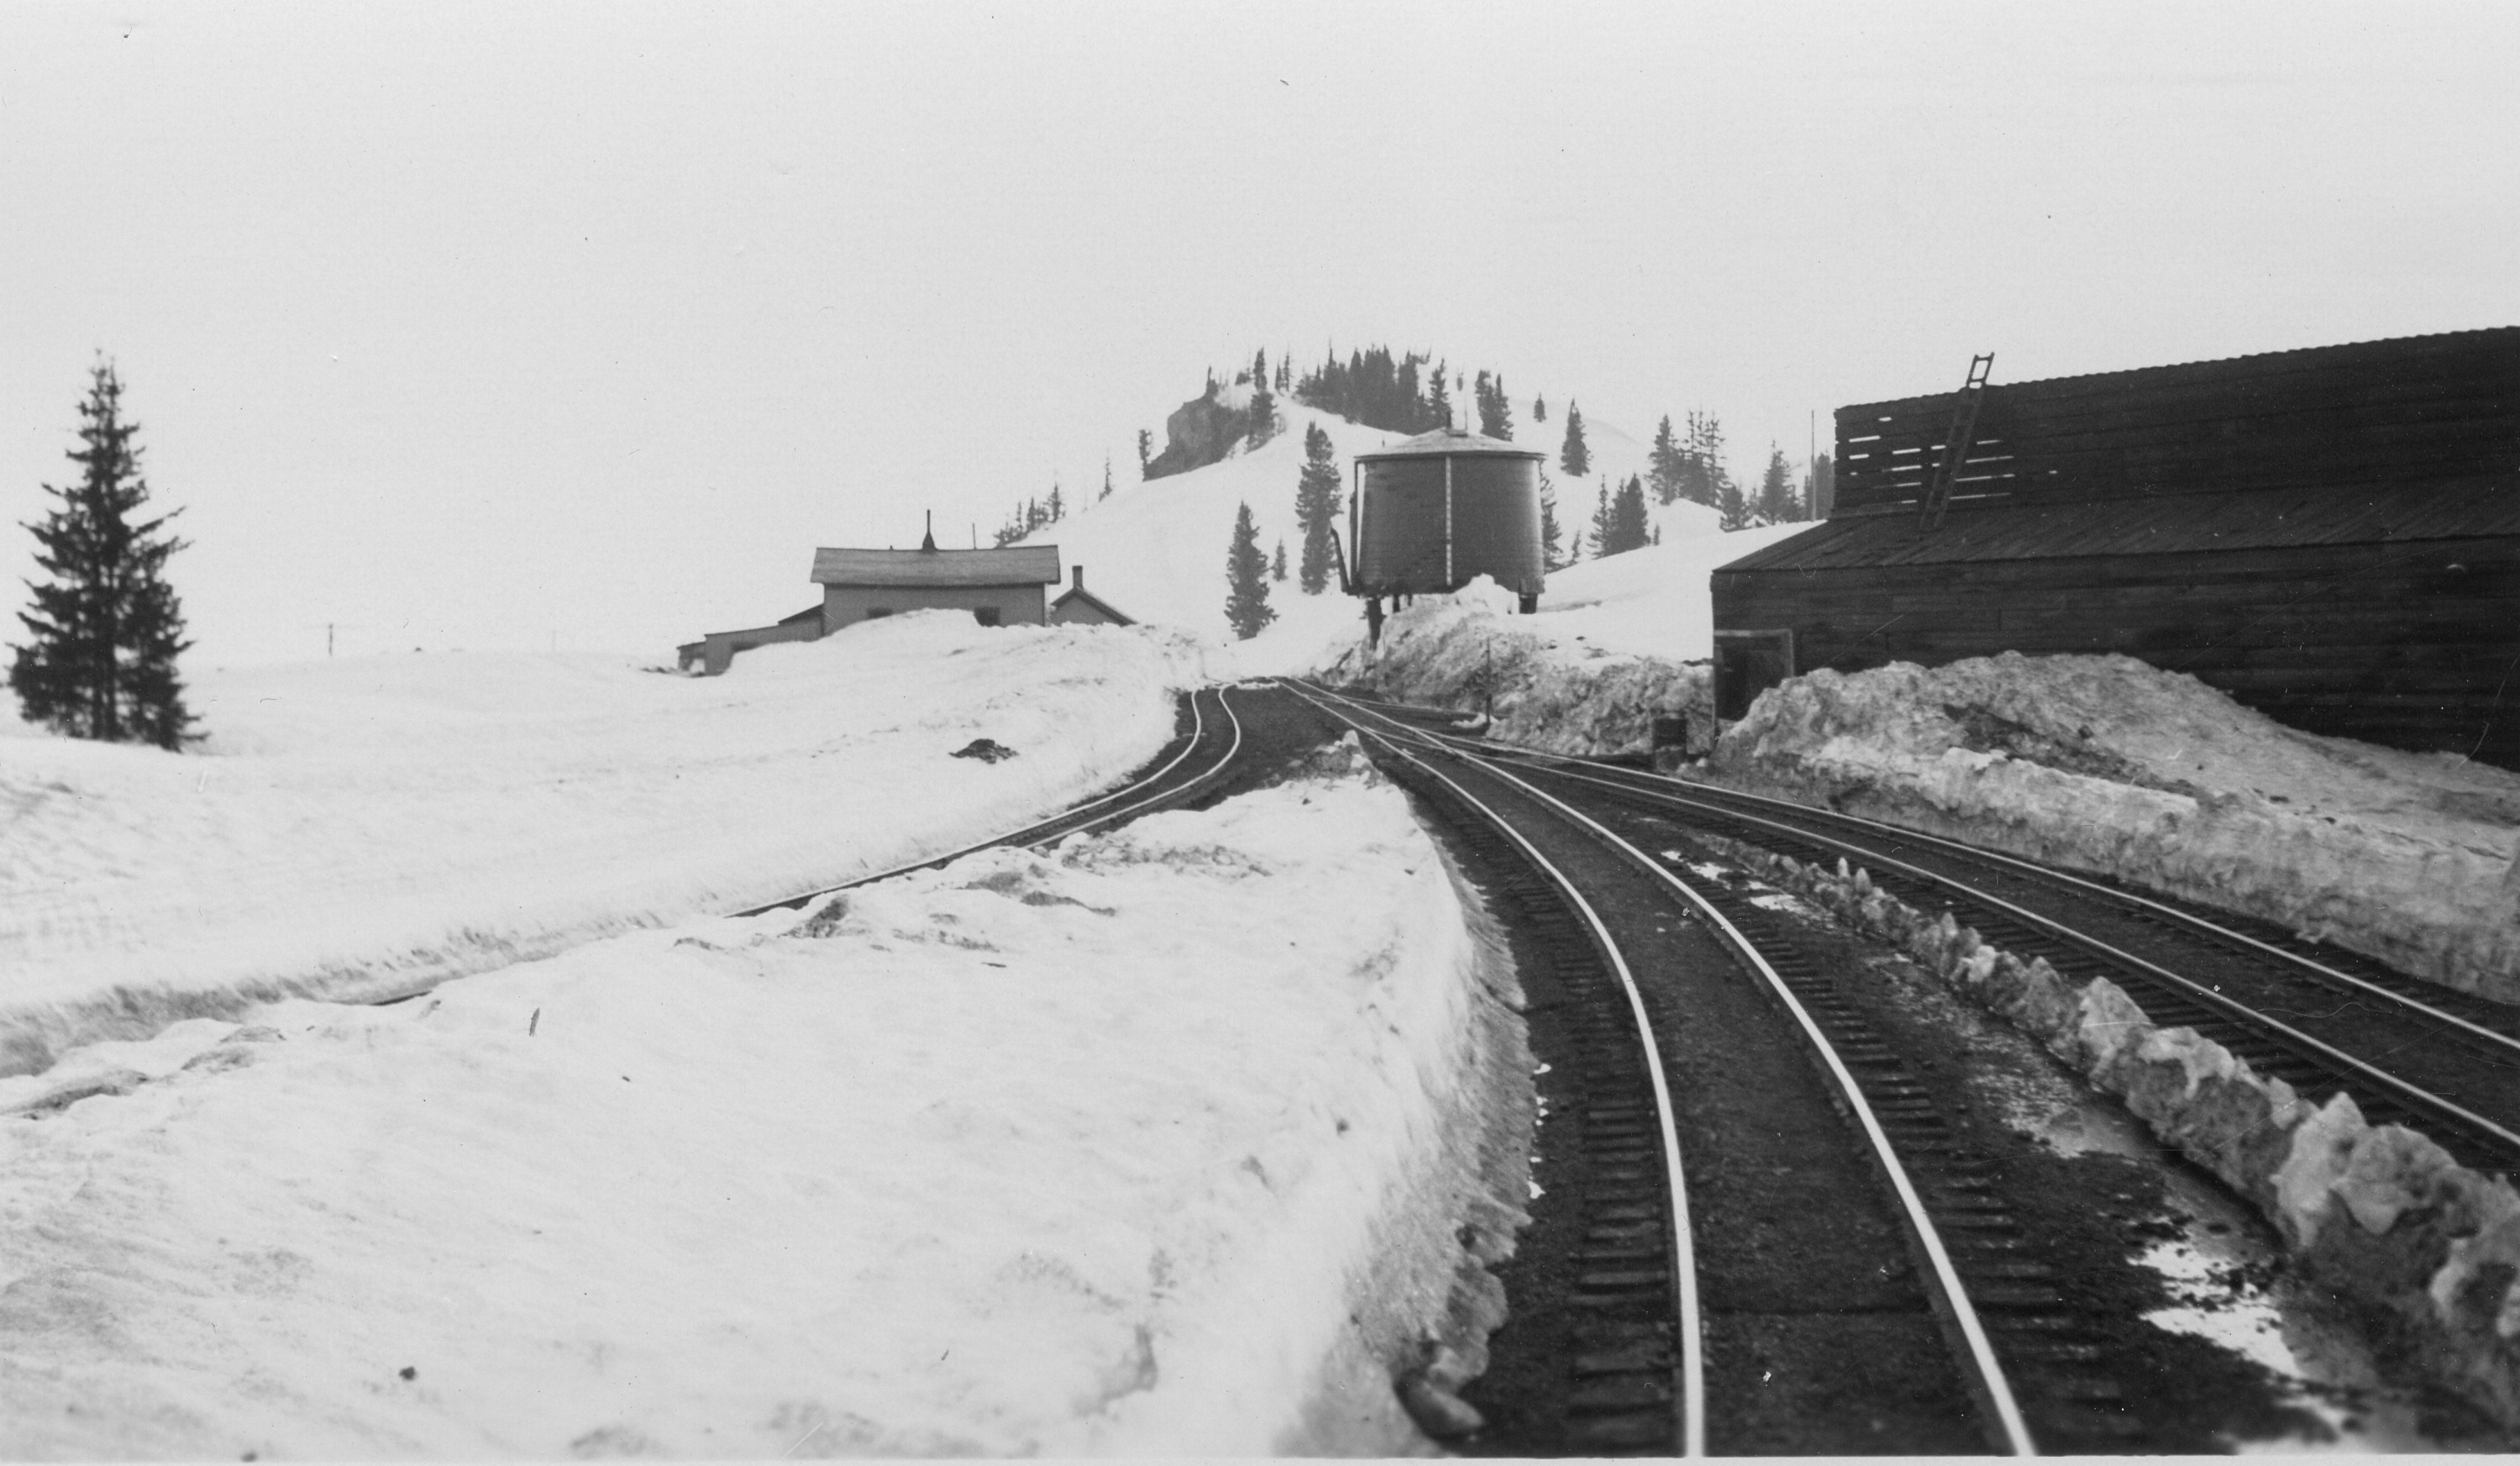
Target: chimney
(928,539)
(1080,575)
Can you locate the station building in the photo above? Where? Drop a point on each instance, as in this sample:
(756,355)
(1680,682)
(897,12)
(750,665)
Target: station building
(999,588)
(2331,535)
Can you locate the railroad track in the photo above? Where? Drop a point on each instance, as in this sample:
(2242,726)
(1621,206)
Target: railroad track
(2408,1052)
(1180,769)
(1757,1235)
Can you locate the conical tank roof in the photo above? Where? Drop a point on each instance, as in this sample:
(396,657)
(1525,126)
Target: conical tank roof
(1446,442)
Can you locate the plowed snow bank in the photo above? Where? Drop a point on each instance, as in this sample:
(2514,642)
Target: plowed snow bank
(2104,764)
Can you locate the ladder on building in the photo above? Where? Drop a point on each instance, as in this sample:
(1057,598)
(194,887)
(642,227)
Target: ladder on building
(1938,489)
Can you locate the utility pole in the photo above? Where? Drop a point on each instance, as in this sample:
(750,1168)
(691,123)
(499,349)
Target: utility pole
(328,639)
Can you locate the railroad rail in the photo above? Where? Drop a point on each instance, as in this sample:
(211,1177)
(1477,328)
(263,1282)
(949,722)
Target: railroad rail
(2408,1052)
(1817,1248)
(1174,777)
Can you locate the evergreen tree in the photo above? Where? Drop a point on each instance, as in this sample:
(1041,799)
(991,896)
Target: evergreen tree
(1316,507)
(1260,369)
(1247,578)
(1146,451)
(1732,511)
(1106,479)
(1439,401)
(1264,415)
(1778,503)
(1819,487)
(1550,551)
(1496,414)
(1706,476)
(1619,521)
(1667,465)
(108,628)
(1057,509)
(1540,409)
(1575,458)
(1277,562)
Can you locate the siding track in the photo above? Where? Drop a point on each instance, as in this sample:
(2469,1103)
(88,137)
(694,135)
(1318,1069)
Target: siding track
(1795,1293)
(2408,1052)
(1180,772)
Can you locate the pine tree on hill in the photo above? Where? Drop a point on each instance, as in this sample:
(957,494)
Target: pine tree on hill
(1277,562)
(1496,414)
(1551,552)
(1705,475)
(1057,509)
(1260,369)
(1575,458)
(1439,401)
(1146,451)
(1106,479)
(1540,409)
(1602,525)
(1732,509)
(1630,528)
(1247,578)
(1778,503)
(1264,415)
(1667,464)
(108,629)
(1316,507)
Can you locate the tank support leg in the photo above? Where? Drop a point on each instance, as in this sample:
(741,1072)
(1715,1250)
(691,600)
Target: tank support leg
(1373,620)
(1530,605)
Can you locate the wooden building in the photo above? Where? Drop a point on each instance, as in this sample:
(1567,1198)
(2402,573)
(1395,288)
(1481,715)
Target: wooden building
(999,587)
(715,652)
(2331,535)
(1078,607)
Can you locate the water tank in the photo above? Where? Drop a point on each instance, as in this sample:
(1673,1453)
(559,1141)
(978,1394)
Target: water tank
(1443,508)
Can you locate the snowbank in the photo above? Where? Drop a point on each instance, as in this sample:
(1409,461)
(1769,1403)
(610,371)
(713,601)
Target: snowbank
(1105,1151)
(2106,765)
(366,826)
(2424,1248)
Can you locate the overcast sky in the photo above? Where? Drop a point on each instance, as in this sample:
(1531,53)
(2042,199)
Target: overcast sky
(503,327)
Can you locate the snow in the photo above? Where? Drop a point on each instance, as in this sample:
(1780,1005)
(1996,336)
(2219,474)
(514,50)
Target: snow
(2107,765)
(1065,1152)
(365,826)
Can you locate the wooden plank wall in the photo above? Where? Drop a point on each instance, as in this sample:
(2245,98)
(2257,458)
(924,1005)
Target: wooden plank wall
(2409,644)
(2365,415)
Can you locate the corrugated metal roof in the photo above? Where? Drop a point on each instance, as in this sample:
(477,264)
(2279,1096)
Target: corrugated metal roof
(1444,440)
(2256,520)
(1014,565)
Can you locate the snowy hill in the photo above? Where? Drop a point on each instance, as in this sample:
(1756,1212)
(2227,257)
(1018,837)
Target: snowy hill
(1157,549)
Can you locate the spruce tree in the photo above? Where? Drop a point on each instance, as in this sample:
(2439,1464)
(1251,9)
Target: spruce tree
(1667,464)
(1056,508)
(1551,536)
(1247,578)
(1707,475)
(1779,504)
(108,629)
(1496,414)
(1603,526)
(1439,401)
(1264,415)
(1575,458)
(1277,562)
(1540,409)
(1145,452)
(1628,527)
(1732,511)
(1106,479)
(1316,507)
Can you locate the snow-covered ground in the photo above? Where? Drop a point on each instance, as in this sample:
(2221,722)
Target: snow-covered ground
(2105,764)
(358,827)
(1098,1151)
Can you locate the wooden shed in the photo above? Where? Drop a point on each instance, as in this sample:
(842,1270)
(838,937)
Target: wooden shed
(999,588)
(1078,607)
(2331,535)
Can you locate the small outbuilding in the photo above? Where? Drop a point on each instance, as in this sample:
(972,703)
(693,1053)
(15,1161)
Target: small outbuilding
(999,588)
(1078,607)
(715,652)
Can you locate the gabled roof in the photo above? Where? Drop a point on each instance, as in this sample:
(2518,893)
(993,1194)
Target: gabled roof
(2253,519)
(1018,564)
(1080,593)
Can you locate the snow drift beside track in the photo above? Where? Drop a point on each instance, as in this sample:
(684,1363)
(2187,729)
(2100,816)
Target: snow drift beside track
(2104,763)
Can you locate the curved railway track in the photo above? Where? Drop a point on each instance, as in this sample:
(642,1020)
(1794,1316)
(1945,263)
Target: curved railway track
(2408,1052)
(1178,772)
(1761,1247)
